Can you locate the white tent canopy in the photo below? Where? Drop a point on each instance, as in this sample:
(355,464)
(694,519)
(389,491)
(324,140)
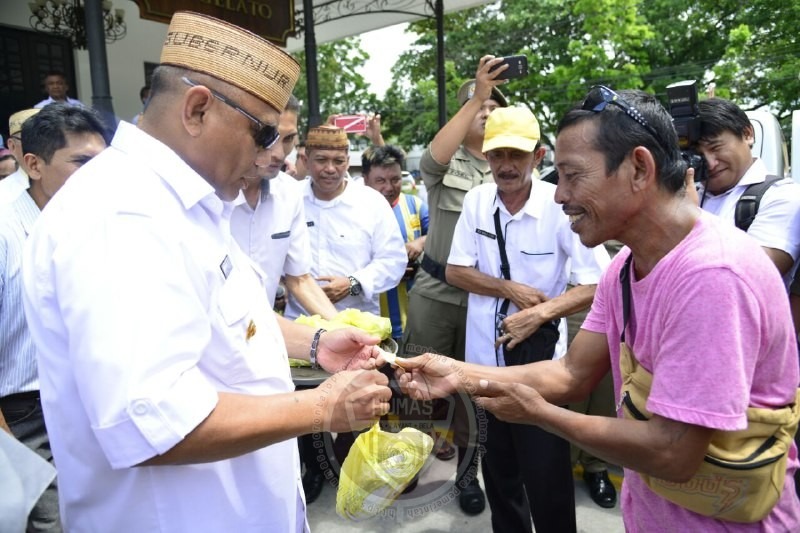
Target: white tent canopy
(336,19)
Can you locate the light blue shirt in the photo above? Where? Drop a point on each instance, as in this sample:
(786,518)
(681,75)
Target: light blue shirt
(17,353)
(49,100)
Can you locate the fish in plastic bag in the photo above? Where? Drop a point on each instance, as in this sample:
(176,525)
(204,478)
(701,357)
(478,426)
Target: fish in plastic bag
(378,468)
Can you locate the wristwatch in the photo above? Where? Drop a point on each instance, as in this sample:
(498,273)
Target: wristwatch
(355,286)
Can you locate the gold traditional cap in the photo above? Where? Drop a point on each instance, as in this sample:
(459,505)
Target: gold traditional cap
(511,127)
(234,55)
(15,121)
(327,137)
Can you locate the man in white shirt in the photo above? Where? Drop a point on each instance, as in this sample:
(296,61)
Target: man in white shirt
(514,252)
(726,137)
(270,225)
(16,183)
(356,249)
(56,87)
(8,163)
(58,141)
(164,373)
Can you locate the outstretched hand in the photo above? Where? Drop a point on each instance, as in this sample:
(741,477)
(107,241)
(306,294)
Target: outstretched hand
(510,402)
(348,349)
(429,376)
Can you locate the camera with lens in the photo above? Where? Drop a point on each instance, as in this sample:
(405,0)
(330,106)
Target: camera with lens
(682,97)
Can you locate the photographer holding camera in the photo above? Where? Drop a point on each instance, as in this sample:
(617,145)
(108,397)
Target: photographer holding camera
(725,140)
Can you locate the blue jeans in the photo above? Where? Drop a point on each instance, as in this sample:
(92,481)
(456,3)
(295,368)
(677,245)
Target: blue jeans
(26,420)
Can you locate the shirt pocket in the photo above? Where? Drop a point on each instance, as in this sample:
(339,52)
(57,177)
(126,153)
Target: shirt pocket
(451,197)
(232,306)
(540,265)
(228,356)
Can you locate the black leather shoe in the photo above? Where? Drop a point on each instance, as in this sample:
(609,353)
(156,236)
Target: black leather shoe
(312,485)
(601,489)
(472,500)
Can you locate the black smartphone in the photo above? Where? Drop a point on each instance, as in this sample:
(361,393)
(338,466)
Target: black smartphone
(517,67)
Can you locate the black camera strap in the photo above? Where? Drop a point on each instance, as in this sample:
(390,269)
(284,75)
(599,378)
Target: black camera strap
(749,202)
(625,281)
(505,269)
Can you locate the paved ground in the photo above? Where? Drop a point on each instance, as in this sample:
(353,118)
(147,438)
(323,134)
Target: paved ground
(431,507)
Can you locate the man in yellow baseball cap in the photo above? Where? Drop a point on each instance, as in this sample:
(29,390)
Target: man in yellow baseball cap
(513,252)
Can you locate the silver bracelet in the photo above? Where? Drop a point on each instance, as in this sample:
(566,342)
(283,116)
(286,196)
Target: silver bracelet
(312,356)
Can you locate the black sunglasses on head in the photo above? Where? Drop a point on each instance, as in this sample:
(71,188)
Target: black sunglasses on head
(600,97)
(265,136)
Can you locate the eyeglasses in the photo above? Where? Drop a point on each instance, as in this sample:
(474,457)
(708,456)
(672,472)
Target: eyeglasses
(600,97)
(265,136)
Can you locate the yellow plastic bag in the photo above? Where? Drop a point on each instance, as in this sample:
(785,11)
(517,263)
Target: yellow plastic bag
(378,468)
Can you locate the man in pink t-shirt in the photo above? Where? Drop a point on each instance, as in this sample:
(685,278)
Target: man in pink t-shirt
(709,319)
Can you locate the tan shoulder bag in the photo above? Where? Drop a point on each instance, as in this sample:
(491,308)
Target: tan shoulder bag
(742,474)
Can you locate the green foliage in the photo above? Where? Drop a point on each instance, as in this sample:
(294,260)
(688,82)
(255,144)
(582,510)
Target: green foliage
(748,51)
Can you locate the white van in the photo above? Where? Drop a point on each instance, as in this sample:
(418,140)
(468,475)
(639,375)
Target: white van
(769,143)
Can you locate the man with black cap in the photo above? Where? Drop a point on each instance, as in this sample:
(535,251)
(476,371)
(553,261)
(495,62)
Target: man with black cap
(452,165)
(164,372)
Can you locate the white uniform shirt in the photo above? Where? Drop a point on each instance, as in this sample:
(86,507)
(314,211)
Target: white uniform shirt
(274,234)
(355,234)
(17,353)
(777,223)
(143,308)
(13,185)
(539,245)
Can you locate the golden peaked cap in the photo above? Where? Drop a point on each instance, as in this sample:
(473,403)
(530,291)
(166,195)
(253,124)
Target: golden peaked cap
(327,138)
(229,53)
(15,121)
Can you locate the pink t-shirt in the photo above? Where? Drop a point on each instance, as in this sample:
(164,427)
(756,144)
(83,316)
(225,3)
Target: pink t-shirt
(711,322)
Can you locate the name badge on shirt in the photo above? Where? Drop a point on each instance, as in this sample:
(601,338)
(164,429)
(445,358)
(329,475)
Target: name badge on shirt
(281,235)
(310,223)
(485,233)
(226,266)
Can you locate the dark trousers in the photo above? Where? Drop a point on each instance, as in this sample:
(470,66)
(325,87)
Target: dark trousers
(527,473)
(23,414)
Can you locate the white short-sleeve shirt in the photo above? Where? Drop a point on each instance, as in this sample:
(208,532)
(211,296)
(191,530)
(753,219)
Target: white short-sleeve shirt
(542,250)
(355,234)
(274,234)
(777,223)
(143,309)
(13,185)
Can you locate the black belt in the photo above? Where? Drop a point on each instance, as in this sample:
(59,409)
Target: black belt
(21,397)
(437,270)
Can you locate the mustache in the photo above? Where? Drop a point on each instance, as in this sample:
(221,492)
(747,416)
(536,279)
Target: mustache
(507,175)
